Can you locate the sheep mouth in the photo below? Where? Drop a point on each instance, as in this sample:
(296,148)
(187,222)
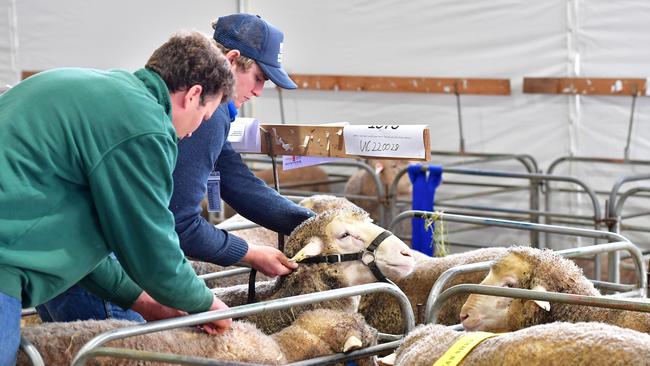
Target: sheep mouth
(404,269)
(472,325)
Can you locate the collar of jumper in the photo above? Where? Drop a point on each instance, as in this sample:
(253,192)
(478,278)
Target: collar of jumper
(366,256)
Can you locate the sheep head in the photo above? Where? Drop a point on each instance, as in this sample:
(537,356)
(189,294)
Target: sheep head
(350,230)
(526,268)
(387,170)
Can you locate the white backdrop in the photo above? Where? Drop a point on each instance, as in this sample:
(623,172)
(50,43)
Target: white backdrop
(435,38)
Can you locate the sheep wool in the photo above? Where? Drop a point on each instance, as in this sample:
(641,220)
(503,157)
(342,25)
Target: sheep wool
(313,334)
(322,202)
(579,344)
(58,343)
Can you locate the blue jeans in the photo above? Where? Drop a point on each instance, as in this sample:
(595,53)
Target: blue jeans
(78,304)
(10,309)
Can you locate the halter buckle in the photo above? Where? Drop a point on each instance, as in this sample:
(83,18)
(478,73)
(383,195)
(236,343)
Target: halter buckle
(367,257)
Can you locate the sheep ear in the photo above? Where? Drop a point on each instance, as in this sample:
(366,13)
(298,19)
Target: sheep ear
(542,304)
(388,360)
(352,343)
(313,248)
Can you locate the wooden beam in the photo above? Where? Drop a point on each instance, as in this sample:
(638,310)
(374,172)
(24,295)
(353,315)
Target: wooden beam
(403,84)
(320,141)
(585,86)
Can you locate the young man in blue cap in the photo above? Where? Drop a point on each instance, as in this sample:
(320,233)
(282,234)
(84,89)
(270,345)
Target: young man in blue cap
(86,161)
(253,47)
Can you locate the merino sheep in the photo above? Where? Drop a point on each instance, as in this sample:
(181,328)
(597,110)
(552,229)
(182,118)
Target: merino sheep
(383,312)
(339,231)
(362,183)
(580,344)
(264,236)
(542,270)
(316,333)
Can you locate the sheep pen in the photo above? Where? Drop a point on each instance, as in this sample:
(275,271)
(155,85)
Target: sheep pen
(542,270)
(315,333)
(583,344)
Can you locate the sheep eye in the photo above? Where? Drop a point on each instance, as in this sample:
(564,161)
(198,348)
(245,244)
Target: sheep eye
(510,284)
(345,235)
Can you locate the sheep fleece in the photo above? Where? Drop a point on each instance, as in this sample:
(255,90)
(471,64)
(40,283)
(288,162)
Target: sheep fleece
(243,342)
(588,344)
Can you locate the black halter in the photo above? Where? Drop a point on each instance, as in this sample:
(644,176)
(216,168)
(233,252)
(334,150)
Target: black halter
(367,256)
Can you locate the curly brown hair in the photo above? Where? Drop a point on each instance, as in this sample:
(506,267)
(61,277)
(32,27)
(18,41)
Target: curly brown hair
(191,58)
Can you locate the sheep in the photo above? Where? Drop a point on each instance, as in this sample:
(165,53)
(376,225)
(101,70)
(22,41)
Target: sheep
(592,344)
(264,236)
(542,270)
(362,183)
(383,312)
(315,333)
(340,231)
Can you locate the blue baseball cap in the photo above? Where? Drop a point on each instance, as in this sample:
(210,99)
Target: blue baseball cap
(256,39)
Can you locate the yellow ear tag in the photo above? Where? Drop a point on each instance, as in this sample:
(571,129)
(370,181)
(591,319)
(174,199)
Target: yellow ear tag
(299,256)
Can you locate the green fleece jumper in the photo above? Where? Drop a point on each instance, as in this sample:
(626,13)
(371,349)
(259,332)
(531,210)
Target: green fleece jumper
(86,161)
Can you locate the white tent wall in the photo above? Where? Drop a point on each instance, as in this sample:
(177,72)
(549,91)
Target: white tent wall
(9,73)
(421,38)
(105,34)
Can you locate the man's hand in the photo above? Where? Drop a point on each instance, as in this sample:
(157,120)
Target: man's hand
(151,309)
(268,260)
(217,326)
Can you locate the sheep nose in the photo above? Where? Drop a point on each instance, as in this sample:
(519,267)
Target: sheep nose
(405,252)
(463,317)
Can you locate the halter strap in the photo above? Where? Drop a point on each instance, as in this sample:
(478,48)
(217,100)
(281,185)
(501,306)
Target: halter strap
(380,238)
(368,251)
(332,258)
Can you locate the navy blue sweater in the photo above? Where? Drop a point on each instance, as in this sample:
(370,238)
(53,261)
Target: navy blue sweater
(248,195)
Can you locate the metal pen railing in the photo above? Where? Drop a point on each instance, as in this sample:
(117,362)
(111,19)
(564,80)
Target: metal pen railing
(639,290)
(614,258)
(93,347)
(557,297)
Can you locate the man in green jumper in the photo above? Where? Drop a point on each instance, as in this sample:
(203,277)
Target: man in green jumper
(86,162)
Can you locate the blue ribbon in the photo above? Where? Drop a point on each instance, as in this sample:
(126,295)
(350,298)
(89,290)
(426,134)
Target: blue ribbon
(425,182)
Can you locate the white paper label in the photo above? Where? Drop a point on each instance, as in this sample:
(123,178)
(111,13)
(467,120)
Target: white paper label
(236,133)
(244,135)
(292,162)
(397,141)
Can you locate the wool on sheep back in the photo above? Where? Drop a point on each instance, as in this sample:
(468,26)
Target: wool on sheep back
(579,344)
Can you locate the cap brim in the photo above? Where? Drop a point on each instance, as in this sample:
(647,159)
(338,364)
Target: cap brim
(278,76)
